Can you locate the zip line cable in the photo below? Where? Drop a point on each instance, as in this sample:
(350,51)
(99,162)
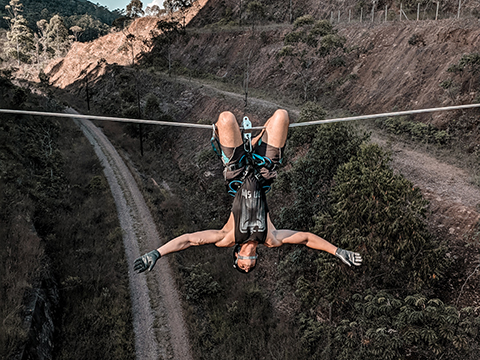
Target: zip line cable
(202,126)
(376,116)
(106,118)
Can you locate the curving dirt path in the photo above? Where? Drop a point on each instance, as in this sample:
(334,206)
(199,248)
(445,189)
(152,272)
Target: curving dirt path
(160,331)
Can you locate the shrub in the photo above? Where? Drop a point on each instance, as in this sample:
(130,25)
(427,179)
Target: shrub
(417,131)
(375,210)
(128,95)
(322,28)
(310,177)
(303,21)
(337,61)
(286,51)
(416,39)
(293,37)
(200,284)
(446,84)
(152,107)
(303,135)
(329,43)
(472,61)
(383,326)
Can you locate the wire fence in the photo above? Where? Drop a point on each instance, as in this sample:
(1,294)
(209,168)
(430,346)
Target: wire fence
(376,14)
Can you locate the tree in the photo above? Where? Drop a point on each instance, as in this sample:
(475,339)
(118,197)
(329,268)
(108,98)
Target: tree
(154,10)
(256,11)
(169,6)
(135,9)
(76,30)
(311,176)
(169,30)
(92,28)
(57,35)
(43,41)
(20,37)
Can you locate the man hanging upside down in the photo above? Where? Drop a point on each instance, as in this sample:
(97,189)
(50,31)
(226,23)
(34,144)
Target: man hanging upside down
(249,169)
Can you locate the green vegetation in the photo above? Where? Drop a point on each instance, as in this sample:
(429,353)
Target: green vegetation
(338,186)
(299,303)
(20,37)
(36,10)
(310,177)
(426,133)
(383,326)
(37,34)
(384,215)
(58,223)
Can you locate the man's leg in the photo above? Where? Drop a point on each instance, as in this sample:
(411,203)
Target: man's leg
(231,143)
(276,129)
(228,131)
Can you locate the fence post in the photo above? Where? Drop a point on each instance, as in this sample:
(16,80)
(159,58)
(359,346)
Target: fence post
(339,16)
(386,12)
(438,5)
(400,18)
(349,14)
(373,11)
(418,11)
(361,14)
(459,5)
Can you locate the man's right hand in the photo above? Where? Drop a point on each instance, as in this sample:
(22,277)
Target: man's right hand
(146,261)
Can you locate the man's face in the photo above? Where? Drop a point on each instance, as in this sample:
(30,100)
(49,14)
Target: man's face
(246,264)
(249,249)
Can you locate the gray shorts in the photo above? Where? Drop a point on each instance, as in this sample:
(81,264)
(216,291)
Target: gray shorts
(232,156)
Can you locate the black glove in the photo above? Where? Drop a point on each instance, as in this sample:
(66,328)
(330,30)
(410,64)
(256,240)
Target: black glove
(146,261)
(348,257)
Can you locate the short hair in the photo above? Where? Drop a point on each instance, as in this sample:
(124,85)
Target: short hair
(236,249)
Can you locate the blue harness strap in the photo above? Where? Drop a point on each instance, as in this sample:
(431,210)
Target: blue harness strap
(250,161)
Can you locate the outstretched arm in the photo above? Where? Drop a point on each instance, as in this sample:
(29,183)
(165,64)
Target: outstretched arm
(304,238)
(316,242)
(182,242)
(194,239)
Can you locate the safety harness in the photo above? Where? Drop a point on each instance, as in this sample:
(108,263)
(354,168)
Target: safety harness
(250,161)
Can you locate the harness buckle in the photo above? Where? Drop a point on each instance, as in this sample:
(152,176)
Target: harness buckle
(247,136)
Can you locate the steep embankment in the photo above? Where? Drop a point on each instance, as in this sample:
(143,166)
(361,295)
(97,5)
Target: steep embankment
(397,65)
(122,48)
(403,65)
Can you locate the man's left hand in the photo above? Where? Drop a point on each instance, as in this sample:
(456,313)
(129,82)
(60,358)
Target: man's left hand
(348,257)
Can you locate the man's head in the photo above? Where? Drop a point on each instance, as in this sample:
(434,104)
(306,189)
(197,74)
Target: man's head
(245,256)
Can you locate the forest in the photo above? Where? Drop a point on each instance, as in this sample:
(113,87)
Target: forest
(36,31)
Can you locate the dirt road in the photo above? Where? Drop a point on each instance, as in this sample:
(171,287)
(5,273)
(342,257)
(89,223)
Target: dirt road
(159,328)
